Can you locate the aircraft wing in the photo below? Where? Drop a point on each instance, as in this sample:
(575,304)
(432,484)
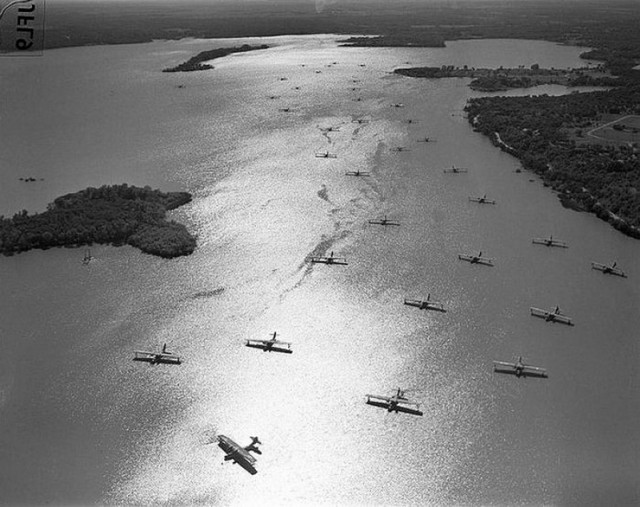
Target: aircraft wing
(145,353)
(169,359)
(538,312)
(502,367)
(270,346)
(534,371)
(408,410)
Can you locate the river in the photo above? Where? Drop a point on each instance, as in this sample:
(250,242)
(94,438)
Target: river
(82,423)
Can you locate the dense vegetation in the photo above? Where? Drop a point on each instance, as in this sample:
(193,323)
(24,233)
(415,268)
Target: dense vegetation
(117,214)
(195,63)
(503,79)
(604,179)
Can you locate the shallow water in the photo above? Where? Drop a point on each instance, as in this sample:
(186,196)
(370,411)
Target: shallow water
(80,422)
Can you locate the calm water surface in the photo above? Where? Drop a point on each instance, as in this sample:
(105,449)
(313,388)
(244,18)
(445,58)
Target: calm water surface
(82,423)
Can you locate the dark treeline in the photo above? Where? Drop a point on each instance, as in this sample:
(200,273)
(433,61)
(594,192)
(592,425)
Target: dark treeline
(400,23)
(484,79)
(604,179)
(117,215)
(195,63)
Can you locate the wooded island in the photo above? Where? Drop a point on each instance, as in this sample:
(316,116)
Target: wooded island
(111,214)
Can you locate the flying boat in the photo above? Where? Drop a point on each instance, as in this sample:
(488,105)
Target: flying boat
(410,120)
(554,315)
(153,358)
(519,369)
(273,97)
(87,257)
(326,154)
(271,345)
(357,173)
(425,304)
(455,170)
(482,200)
(360,121)
(399,148)
(285,110)
(426,140)
(609,270)
(330,129)
(384,221)
(395,403)
(329,260)
(476,259)
(549,242)
(240,455)
(397,105)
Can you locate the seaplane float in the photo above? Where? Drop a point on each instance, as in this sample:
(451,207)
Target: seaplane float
(609,270)
(425,304)
(153,358)
(384,221)
(482,200)
(519,369)
(329,260)
(550,242)
(476,259)
(398,402)
(271,345)
(554,315)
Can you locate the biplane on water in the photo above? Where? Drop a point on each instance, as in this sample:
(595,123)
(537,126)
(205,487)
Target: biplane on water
(425,304)
(240,455)
(357,173)
(550,242)
(399,148)
(609,270)
(329,260)
(455,170)
(519,369)
(87,257)
(554,315)
(395,403)
(476,259)
(384,221)
(326,154)
(153,358)
(482,200)
(271,345)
